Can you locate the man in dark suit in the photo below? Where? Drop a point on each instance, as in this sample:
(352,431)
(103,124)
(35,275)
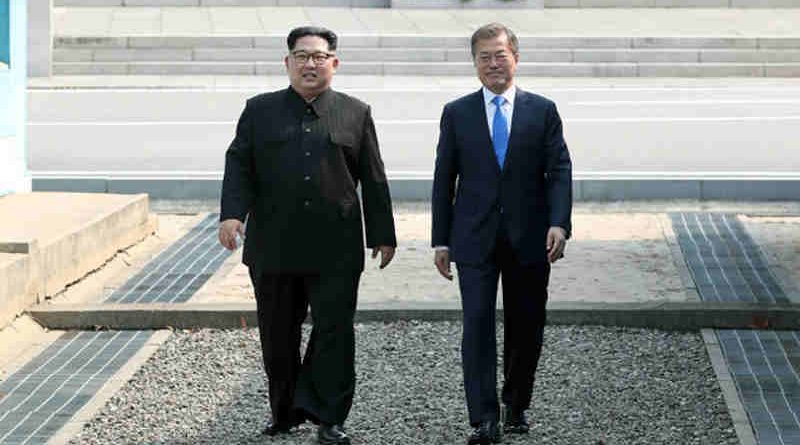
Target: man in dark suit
(292,171)
(502,199)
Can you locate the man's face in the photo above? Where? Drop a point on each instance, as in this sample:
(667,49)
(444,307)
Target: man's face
(495,63)
(311,66)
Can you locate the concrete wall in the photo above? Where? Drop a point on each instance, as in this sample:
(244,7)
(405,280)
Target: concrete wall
(40,37)
(14,176)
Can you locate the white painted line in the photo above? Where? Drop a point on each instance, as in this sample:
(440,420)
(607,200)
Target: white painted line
(186,256)
(96,373)
(38,368)
(750,261)
(164,261)
(435,87)
(697,254)
(97,335)
(790,366)
(716,258)
(392,122)
(428,175)
(186,286)
(736,271)
(758,384)
(684,102)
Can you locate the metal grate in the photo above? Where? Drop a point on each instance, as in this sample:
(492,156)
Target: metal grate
(179,271)
(37,400)
(765,366)
(725,263)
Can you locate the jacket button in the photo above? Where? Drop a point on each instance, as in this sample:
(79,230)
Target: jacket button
(308,153)
(307,203)
(308,130)
(307,178)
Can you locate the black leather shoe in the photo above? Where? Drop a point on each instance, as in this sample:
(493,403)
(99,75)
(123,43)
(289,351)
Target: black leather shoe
(332,435)
(514,422)
(486,433)
(274,428)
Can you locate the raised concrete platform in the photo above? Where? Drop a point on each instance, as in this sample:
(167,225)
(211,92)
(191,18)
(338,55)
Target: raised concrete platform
(49,240)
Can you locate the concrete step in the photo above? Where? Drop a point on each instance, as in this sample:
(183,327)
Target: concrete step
(437,55)
(433,4)
(434,55)
(555,69)
(417,42)
(60,237)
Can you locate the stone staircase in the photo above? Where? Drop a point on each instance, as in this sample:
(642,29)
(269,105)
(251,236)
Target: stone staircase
(584,42)
(447,3)
(434,55)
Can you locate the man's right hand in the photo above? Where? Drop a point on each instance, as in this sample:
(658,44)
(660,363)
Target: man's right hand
(227,233)
(442,260)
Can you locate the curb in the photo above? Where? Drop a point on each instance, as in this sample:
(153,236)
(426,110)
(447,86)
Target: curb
(584,189)
(682,316)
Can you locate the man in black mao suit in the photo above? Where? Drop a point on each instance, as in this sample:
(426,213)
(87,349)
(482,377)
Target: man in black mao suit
(292,172)
(502,199)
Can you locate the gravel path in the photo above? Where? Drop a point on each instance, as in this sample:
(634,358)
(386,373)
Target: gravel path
(595,386)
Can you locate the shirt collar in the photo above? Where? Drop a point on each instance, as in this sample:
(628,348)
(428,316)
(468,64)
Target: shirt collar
(321,104)
(509,94)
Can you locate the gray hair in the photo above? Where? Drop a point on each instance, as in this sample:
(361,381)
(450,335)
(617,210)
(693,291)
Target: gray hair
(493,30)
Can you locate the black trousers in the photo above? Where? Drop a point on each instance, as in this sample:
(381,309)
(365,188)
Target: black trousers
(321,386)
(524,301)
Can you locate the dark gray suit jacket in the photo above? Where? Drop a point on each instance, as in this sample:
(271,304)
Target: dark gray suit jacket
(472,197)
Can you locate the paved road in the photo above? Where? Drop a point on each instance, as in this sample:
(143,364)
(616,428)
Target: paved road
(686,127)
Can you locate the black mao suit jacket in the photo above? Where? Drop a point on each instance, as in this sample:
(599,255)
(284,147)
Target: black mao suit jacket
(299,197)
(472,196)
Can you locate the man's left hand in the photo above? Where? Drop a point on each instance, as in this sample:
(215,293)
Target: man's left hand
(556,242)
(387,253)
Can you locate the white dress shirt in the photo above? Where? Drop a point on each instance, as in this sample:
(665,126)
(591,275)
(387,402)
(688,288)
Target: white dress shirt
(507,107)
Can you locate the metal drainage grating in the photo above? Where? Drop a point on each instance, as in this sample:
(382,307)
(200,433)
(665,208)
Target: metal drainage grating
(725,263)
(37,400)
(765,366)
(179,271)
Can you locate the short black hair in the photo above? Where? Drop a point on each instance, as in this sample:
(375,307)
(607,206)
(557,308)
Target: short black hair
(318,31)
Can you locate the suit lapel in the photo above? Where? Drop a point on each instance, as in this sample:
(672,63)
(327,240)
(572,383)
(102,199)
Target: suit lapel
(520,111)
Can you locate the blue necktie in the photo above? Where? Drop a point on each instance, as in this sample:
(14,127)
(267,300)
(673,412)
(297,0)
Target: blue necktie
(500,131)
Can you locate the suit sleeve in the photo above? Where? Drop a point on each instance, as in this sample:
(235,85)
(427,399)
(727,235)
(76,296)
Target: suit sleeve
(378,219)
(238,184)
(444,182)
(558,174)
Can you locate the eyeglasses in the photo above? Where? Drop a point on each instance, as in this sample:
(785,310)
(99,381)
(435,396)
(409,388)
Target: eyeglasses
(485,59)
(301,57)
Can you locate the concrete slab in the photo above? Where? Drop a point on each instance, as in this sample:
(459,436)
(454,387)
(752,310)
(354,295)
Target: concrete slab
(74,234)
(186,21)
(280,20)
(234,20)
(779,241)
(388,22)
(344,21)
(685,316)
(136,21)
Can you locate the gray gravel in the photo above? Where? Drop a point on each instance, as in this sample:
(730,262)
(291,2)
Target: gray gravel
(595,386)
